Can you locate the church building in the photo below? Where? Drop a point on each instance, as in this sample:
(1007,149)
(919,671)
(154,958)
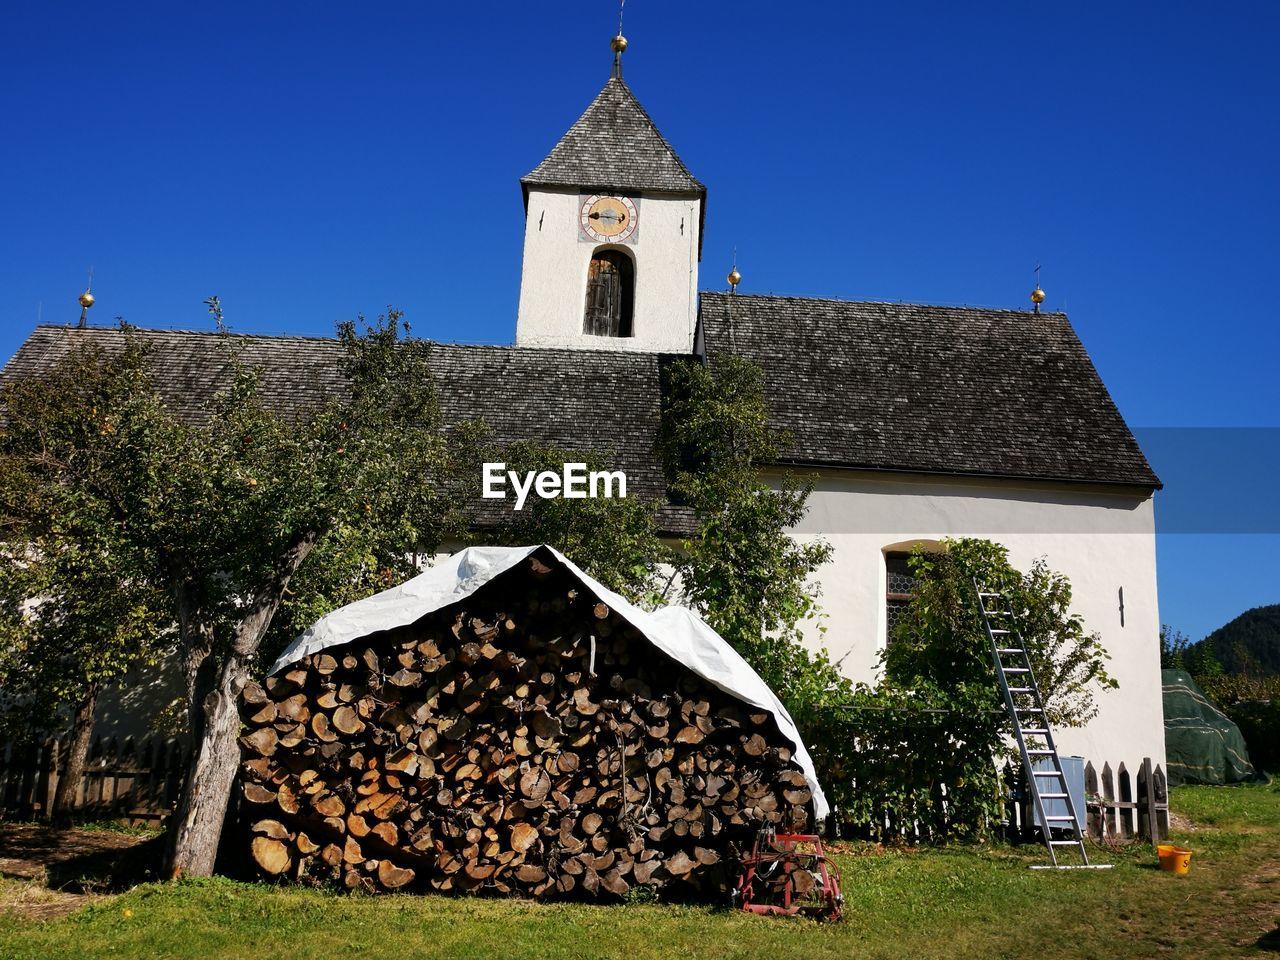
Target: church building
(919,422)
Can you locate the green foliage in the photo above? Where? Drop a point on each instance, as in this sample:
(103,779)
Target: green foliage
(229,510)
(1253,704)
(78,606)
(1250,643)
(1173,648)
(1259,723)
(940,642)
(920,763)
(1238,667)
(1229,689)
(1200,660)
(397,481)
(938,717)
(614,540)
(219,499)
(739,568)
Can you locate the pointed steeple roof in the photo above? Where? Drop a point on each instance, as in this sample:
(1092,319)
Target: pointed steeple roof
(614,146)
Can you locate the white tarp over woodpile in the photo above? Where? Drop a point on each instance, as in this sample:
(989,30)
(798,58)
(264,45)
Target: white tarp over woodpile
(676,631)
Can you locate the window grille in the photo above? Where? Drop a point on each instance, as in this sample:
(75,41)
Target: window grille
(900,584)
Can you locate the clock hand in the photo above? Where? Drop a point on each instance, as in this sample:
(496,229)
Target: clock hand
(610,215)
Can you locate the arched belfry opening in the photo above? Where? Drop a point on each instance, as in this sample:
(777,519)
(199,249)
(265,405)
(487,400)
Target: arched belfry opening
(611,293)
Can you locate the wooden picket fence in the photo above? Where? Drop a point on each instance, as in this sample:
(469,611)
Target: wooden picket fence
(1118,806)
(1123,807)
(138,782)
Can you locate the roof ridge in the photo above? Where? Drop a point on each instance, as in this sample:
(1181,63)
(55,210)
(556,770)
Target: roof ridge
(510,348)
(966,307)
(101,328)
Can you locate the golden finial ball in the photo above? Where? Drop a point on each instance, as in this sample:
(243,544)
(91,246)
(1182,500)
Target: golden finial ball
(618,43)
(734,277)
(86,299)
(1037,295)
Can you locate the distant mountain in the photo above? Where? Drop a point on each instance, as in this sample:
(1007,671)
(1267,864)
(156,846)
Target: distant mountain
(1250,643)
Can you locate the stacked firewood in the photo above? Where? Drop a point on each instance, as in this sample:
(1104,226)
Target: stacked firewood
(524,741)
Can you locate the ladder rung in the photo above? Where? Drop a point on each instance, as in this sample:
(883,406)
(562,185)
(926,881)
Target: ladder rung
(1053,796)
(1014,669)
(1028,709)
(1002,632)
(1046,773)
(1040,753)
(1021,690)
(988,594)
(999,613)
(1059,818)
(1035,732)
(1007,650)
(1066,843)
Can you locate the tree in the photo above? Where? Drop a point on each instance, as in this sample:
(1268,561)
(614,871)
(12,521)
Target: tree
(78,608)
(941,642)
(1173,648)
(1201,661)
(236,505)
(740,568)
(922,751)
(228,506)
(615,540)
(1250,643)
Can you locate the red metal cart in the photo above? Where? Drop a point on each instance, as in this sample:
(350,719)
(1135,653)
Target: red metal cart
(789,874)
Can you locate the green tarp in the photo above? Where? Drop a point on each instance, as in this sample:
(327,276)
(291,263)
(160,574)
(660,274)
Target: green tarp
(1201,744)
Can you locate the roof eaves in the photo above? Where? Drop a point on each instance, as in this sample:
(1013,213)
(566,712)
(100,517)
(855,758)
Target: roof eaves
(1150,486)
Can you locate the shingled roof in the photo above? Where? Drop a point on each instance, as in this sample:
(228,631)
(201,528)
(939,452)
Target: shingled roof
(866,386)
(942,390)
(602,402)
(614,145)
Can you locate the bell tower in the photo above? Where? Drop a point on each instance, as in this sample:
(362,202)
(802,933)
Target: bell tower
(613,234)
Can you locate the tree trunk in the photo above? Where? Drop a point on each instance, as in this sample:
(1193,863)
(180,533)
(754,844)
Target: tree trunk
(195,632)
(215,719)
(64,798)
(210,776)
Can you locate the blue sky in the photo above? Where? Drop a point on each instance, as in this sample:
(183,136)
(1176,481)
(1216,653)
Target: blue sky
(309,161)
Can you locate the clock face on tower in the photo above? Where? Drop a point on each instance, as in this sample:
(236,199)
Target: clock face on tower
(609,219)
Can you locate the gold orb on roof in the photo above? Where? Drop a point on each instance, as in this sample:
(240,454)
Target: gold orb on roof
(734,277)
(618,43)
(86,299)
(1037,295)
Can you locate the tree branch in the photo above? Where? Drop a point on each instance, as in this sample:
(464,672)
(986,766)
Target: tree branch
(251,627)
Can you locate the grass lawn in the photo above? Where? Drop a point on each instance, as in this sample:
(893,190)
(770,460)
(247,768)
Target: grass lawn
(922,904)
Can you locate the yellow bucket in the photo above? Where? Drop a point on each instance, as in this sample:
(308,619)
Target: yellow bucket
(1176,860)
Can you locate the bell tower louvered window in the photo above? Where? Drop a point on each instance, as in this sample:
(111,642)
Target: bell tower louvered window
(610,295)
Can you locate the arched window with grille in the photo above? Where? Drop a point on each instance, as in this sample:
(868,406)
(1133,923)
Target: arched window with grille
(900,584)
(611,289)
(900,581)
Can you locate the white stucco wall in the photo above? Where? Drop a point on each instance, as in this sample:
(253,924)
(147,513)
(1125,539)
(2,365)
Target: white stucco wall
(553,281)
(1103,540)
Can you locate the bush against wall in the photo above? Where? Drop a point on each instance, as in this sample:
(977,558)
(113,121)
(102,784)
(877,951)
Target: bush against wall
(918,756)
(911,765)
